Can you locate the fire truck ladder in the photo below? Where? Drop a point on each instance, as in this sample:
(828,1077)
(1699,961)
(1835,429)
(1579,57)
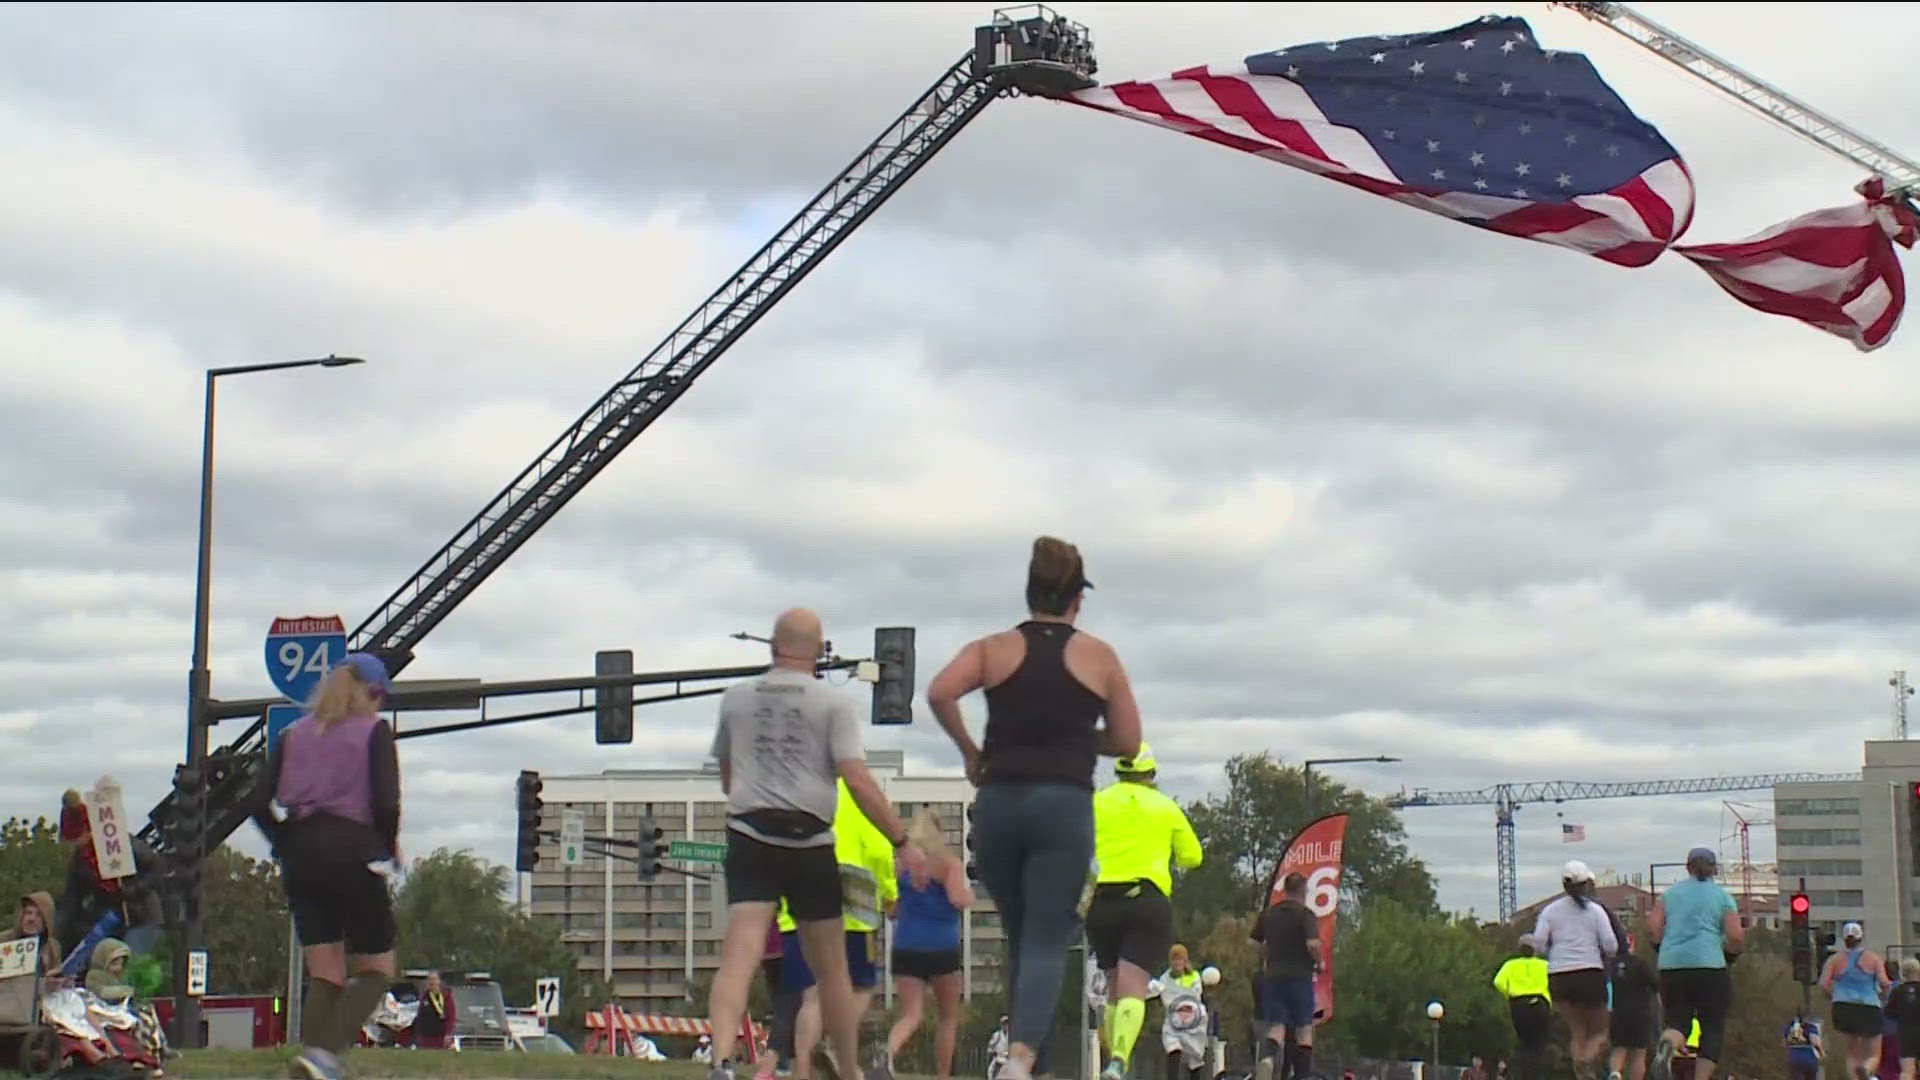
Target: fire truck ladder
(1901,174)
(1027,49)
(1508,798)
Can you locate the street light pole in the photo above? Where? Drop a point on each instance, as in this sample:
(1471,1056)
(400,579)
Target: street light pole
(1306,776)
(193,932)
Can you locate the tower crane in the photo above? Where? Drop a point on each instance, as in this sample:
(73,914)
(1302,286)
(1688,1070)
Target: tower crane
(1743,824)
(1508,798)
(1900,175)
(1028,49)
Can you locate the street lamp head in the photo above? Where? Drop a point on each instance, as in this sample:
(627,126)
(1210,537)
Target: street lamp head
(1435,1010)
(341,361)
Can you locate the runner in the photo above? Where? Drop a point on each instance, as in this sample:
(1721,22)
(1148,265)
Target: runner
(1576,934)
(1903,1005)
(1636,1004)
(867,879)
(1047,688)
(338,776)
(1696,926)
(926,943)
(782,740)
(1288,934)
(1179,980)
(1522,980)
(1802,1040)
(1137,832)
(1856,978)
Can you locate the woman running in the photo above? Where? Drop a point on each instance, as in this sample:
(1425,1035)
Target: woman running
(1577,937)
(1047,689)
(1857,979)
(926,943)
(337,774)
(1697,928)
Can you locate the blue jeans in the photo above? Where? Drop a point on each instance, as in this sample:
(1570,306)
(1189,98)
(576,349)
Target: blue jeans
(1034,843)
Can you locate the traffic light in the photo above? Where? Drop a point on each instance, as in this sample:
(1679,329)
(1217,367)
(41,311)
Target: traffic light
(527,842)
(188,841)
(893,694)
(613,706)
(651,847)
(1800,914)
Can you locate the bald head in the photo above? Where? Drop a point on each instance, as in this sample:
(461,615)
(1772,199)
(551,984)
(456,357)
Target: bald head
(797,637)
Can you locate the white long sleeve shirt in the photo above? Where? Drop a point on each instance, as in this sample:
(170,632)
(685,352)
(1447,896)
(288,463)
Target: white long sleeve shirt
(1575,936)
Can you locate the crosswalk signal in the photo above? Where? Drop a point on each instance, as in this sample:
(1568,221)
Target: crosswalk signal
(652,849)
(527,842)
(1800,914)
(893,693)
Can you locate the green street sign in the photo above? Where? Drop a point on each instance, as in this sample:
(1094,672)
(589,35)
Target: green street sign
(695,851)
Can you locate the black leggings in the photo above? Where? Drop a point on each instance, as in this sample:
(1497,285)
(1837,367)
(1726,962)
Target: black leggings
(1703,994)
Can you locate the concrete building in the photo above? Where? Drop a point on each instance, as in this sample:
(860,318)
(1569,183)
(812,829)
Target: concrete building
(653,942)
(1852,842)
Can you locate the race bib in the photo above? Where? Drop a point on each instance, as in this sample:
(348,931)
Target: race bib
(860,894)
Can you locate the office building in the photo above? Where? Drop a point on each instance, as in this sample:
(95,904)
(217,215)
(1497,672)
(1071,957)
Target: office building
(1852,844)
(656,943)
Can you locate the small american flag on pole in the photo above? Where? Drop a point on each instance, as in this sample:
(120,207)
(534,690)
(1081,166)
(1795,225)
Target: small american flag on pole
(1572,834)
(1482,125)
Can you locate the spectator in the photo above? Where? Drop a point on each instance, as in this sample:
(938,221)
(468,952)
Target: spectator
(35,920)
(107,971)
(433,1023)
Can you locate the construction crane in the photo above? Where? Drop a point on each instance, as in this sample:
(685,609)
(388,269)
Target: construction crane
(1900,174)
(1901,692)
(1508,798)
(1024,50)
(1743,824)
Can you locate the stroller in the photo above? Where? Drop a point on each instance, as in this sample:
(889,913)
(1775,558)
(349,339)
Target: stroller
(31,1045)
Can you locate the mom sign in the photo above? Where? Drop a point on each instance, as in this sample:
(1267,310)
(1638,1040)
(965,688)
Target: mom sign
(301,650)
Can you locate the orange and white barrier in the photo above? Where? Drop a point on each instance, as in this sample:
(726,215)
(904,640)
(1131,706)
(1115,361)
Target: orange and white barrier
(612,1028)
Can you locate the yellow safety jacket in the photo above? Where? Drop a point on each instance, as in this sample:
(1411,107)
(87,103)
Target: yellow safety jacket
(1137,831)
(1523,976)
(862,851)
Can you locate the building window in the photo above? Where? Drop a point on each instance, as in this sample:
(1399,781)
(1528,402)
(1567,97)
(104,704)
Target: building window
(703,892)
(1790,868)
(1837,898)
(1815,807)
(1817,837)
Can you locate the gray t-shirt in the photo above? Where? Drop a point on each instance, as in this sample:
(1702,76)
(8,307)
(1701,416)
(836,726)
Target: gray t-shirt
(783,734)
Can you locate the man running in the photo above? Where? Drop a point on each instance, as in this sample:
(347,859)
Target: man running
(1289,936)
(1696,926)
(1522,980)
(1137,831)
(782,742)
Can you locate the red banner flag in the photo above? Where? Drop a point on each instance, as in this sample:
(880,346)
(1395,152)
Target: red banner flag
(1315,854)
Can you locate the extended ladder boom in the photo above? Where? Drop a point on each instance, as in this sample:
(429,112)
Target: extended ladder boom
(1901,173)
(1027,49)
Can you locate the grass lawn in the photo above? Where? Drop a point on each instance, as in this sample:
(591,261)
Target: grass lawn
(438,1064)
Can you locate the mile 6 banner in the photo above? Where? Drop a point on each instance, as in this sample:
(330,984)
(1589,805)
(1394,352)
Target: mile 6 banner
(1315,852)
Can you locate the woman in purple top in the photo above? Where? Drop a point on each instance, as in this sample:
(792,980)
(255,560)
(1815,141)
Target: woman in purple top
(337,775)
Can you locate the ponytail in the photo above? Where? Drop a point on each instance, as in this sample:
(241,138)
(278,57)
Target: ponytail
(1577,890)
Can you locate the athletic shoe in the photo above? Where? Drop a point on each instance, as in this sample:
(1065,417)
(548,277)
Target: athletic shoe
(721,1072)
(1263,1069)
(883,1072)
(314,1063)
(1115,1070)
(1663,1060)
(1615,1075)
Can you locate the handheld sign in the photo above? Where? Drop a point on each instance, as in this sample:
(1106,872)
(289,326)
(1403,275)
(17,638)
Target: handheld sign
(19,957)
(546,996)
(301,650)
(112,843)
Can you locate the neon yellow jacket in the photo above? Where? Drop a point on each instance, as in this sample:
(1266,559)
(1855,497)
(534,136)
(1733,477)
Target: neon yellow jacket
(858,842)
(1523,976)
(1137,831)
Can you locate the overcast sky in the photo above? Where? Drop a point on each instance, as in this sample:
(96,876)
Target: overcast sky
(1352,479)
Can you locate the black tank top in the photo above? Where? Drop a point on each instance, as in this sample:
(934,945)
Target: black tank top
(1041,722)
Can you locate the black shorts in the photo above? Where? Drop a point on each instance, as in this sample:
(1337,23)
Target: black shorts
(1585,989)
(1632,1030)
(925,966)
(1703,994)
(807,878)
(334,897)
(1132,922)
(1859,1021)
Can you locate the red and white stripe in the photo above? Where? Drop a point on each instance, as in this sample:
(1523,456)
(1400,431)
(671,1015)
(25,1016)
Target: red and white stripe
(1274,118)
(1835,270)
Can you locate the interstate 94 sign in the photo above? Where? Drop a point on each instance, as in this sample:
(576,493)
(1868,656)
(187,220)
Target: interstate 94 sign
(301,650)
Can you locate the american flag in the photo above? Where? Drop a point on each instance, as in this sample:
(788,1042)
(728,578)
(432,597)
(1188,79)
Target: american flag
(1481,124)
(1572,834)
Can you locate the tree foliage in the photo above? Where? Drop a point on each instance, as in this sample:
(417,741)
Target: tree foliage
(454,914)
(248,927)
(1245,831)
(31,859)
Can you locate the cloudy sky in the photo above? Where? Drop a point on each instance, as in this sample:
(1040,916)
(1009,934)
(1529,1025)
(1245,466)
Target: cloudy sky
(1353,479)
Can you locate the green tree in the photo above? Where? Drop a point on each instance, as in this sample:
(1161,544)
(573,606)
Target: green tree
(454,913)
(31,860)
(248,928)
(1391,961)
(1244,832)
